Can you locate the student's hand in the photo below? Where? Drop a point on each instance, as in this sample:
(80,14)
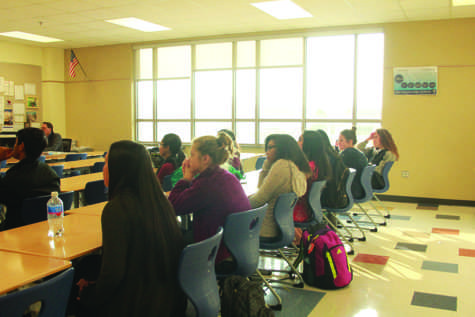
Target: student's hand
(5,153)
(187,172)
(371,136)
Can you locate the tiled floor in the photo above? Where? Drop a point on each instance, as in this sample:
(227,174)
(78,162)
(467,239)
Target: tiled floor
(421,264)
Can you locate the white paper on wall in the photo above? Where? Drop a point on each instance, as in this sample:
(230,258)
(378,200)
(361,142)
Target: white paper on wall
(2,84)
(19,108)
(11,88)
(30,89)
(19,92)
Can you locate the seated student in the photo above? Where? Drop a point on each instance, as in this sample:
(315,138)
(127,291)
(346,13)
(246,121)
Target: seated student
(312,144)
(334,193)
(171,154)
(353,158)
(55,142)
(384,150)
(27,178)
(285,170)
(235,158)
(213,194)
(141,243)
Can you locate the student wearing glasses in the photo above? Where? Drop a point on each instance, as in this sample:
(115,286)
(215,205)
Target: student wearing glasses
(285,170)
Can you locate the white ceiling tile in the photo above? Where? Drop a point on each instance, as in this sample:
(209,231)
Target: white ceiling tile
(425,4)
(423,14)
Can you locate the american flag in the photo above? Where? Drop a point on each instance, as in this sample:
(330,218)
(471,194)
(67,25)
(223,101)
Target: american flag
(73,62)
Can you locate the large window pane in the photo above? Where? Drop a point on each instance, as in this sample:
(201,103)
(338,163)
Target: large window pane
(245,132)
(330,77)
(212,56)
(173,99)
(145,132)
(332,129)
(210,128)
(281,93)
(174,61)
(246,54)
(370,66)
(293,129)
(182,129)
(246,94)
(281,52)
(145,100)
(145,64)
(213,94)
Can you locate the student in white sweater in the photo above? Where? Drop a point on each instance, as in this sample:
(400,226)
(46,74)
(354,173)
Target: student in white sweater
(285,170)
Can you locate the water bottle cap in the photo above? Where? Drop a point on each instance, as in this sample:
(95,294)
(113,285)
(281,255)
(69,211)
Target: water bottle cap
(54,194)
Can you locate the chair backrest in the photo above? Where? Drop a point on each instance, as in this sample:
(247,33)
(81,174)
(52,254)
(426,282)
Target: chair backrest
(314,200)
(95,192)
(97,167)
(167,183)
(53,295)
(72,157)
(67,144)
(349,181)
(42,158)
(241,238)
(259,162)
(385,174)
(34,209)
(365,180)
(58,169)
(3,164)
(197,277)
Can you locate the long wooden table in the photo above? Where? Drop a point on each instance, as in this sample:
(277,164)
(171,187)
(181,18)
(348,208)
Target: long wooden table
(82,235)
(91,210)
(71,164)
(60,156)
(20,269)
(78,183)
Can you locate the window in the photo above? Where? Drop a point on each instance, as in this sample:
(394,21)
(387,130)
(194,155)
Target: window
(257,87)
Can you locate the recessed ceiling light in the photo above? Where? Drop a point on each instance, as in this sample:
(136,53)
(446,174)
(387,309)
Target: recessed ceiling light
(457,3)
(282,9)
(138,24)
(30,37)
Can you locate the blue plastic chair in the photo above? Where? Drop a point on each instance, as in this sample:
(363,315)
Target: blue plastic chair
(53,295)
(366,176)
(95,192)
(283,215)
(385,174)
(74,157)
(34,209)
(167,183)
(97,167)
(59,170)
(42,158)
(314,197)
(260,162)
(197,277)
(3,164)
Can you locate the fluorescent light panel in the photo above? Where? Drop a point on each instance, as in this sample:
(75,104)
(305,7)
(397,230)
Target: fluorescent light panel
(457,3)
(30,37)
(138,24)
(282,9)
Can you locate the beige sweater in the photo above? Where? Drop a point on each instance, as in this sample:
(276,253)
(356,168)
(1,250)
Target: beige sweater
(279,178)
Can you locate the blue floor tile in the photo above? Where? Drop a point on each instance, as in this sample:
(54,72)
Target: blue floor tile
(411,246)
(398,217)
(434,301)
(450,217)
(440,266)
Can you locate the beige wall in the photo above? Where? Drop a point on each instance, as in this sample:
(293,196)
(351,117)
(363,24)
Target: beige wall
(99,104)
(52,87)
(432,132)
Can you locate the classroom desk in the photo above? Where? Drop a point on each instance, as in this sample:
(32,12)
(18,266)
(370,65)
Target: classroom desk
(82,235)
(91,210)
(20,269)
(59,156)
(78,183)
(250,182)
(71,164)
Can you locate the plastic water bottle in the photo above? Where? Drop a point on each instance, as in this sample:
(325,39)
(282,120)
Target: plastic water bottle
(55,216)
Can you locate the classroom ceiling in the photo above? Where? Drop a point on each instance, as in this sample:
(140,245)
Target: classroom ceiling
(80,23)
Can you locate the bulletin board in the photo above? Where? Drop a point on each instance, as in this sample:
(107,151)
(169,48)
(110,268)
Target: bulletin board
(20,96)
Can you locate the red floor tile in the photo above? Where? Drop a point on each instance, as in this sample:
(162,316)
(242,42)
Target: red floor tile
(446,231)
(467,252)
(370,258)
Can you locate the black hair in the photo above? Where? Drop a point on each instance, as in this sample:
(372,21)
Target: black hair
(130,170)
(177,156)
(313,147)
(34,140)
(326,143)
(50,126)
(288,149)
(349,135)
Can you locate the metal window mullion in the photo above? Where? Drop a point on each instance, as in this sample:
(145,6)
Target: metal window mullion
(355,83)
(155,97)
(192,84)
(136,63)
(234,82)
(258,93)
(304,88)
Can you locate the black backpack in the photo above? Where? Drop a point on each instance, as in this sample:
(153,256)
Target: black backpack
(243,298)
(334,193)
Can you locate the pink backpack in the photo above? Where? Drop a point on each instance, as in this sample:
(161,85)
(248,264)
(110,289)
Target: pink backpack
(326,264)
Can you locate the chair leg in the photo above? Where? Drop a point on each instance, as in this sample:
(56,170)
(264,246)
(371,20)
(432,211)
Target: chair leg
(341,235)
(279,300)
(293,269)
(363,236)
(388,215)
(375,226)
(336,225)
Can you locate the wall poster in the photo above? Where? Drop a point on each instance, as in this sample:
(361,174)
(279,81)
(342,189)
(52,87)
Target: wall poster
(415,80)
